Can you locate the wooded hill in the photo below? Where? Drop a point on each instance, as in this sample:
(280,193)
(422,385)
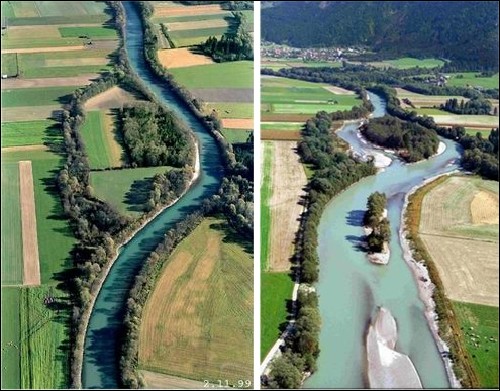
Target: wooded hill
(465,32)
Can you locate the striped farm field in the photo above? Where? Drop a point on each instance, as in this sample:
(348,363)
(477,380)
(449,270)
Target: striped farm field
(282,125)
(266,193)
(100,140)
(198,320)
(93,32)
(11,336)
(40,9)
(127,190)
(36,96)
(30,133)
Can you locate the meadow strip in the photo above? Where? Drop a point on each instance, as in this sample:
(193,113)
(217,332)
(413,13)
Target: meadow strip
(47,49)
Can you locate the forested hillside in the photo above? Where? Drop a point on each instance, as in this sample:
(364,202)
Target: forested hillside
(465,32)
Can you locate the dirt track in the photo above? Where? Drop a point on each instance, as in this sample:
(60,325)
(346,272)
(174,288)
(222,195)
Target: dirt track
(31,274)
(76,81)
(181,58)
(288,181)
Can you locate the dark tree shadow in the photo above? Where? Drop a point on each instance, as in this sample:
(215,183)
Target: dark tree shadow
(355,218)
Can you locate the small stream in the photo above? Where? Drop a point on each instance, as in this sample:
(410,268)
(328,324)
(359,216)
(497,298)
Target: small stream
(351,288)
(100,365)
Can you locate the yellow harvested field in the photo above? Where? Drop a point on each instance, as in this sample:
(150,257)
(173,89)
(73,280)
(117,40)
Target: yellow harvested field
(420,100)
(11,114)
(288,183)
(197,24)
(339,90)
(459,227)
(484,208)
(26,148)
(47,49)
(38,31)
(115,148)
(171,11)
(159,381)
(115,97)
(473,121)
(182,57)
(31,272)
(76,81)
(237,123)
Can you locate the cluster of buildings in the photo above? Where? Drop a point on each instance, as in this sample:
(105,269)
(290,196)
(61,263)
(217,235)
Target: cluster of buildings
(271,50)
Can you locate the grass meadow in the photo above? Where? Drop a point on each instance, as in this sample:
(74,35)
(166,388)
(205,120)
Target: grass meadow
(265,196)
(472,79)
(11,336)
(36,96)
(30,133)
(234,136)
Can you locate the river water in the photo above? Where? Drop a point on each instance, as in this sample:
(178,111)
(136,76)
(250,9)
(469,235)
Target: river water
(351,288)
(100,365)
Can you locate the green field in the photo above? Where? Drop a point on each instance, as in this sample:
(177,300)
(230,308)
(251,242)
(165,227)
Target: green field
(99,32)
(12,248)
(231,109)
(55,239)
(127,190)
(51,8)
(9,64)
(196,36)
(469,78)
(265,211)
(36,96)
(407,62)
(190,18)
(198,320)
(278,64)
(481,320)
(429,111)
(96,142)
(236,74)
(276,290)
(30,133)
(236,135)
(11,335)
(282,126)
(484,132)
(44,363)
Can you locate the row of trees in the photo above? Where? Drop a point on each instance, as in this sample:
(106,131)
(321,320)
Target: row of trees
(375,220)
(231,46)
(413,141)
(154,137)
(474,106)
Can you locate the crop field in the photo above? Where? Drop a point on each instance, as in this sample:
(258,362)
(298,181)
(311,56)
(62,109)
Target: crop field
(36,96)
(288,100)
(43,330)
(265,196)
(472,79)
(407,62)
(127,189)
(480,328)
(159,381)
(236,74)
(289,181)
(234,136)
(231,109)
(54,235)
(459,223)
(198,321)
(95,32)
(99,137)
(182,57)
(11,335)
(485,132)
(485,121)
(40,9)
(30,133)
(420,100)
(11,249)
(276,292)
(291,126)
(115,97)
(9,64)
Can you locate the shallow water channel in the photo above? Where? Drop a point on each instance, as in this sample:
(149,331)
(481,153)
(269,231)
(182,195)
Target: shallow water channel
(351,288)
(100,366)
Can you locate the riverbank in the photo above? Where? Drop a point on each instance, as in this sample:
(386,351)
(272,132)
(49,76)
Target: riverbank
(85,318)
(429,287)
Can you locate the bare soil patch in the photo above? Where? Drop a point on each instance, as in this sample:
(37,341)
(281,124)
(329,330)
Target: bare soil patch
(10,114)
(238,123)
(289,180)
(159,381)
(181,58)
(47,49)
(26,148)
(339,90)
(484,208)
(166,11)
(48,82)
(31,274)
(115,97)
(280,135)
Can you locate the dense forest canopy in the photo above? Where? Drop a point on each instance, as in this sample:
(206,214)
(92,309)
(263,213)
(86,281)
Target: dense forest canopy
(462,31)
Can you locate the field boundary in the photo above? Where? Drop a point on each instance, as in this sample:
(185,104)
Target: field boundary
(31,272)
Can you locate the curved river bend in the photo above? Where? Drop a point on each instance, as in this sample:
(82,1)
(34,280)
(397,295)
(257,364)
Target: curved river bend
(351,288)
(100,365)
